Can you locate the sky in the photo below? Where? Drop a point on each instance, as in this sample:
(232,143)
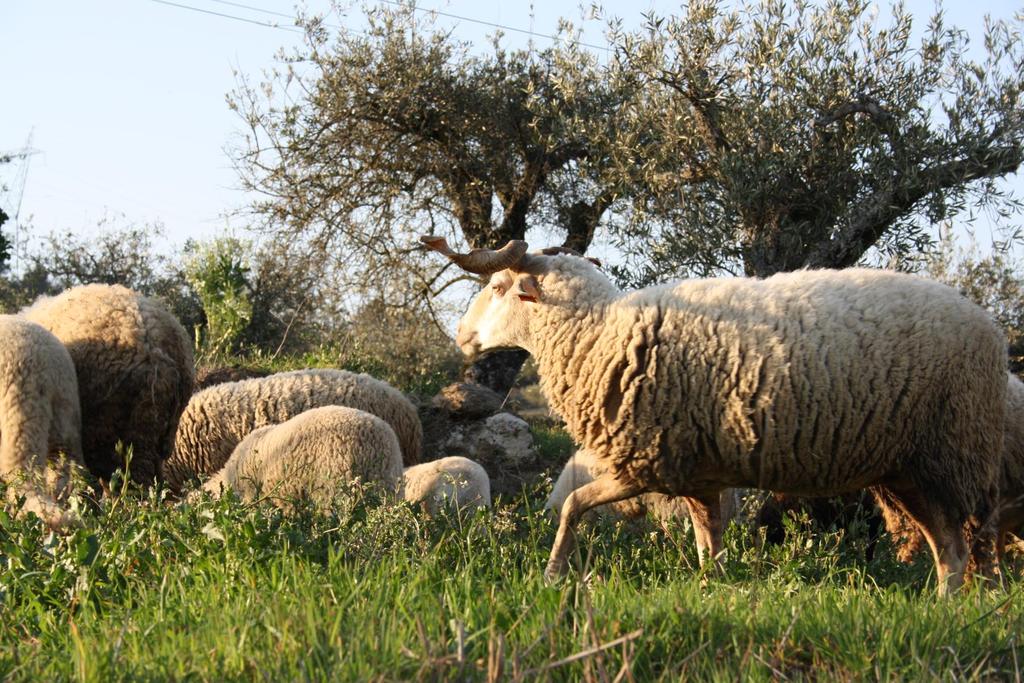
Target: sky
(124,100)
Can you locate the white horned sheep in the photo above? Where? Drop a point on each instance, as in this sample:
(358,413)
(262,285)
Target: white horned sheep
(40,421)
(310,457)
(584,467)
(219,417)
(815,382)
(135,372)
(455,481)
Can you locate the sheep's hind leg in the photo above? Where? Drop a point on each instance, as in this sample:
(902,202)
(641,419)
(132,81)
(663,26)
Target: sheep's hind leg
(605,489)
(944,535)
(708,525)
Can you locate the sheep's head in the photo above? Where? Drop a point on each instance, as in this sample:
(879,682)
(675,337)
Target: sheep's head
(499,316)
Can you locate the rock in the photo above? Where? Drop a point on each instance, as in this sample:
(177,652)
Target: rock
(502,440)
(463,401)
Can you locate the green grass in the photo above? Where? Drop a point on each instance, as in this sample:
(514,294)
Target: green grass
(222,591)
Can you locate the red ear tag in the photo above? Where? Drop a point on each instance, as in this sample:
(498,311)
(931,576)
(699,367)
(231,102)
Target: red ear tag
(527,297)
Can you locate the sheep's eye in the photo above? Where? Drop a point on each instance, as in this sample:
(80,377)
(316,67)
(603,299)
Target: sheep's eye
(499,289)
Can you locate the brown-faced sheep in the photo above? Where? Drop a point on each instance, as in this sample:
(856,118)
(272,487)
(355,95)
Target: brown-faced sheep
(311,457)
(40,422)
(454,481)
(135,372)
(813,382)
(218,418)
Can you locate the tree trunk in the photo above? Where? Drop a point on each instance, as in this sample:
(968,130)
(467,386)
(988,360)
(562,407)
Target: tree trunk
(496,370)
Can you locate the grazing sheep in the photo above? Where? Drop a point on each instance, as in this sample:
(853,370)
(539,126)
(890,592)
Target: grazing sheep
(583,467)
(40,421)
(310,457)
(1011,483)
(135,372)
(813,382)
(218,418)
(449,481)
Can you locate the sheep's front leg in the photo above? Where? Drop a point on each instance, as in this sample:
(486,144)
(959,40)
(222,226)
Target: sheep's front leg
(708,524)
(605,489)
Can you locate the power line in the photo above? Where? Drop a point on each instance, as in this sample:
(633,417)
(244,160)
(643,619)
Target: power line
(228,16)
(493,25)
(396,3)
(254,9)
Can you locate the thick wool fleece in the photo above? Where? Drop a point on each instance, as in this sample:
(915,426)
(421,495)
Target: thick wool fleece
(814,382)
(455,481)
(311,457)
(135,372)
(218,418)
(584,467)
(40,422)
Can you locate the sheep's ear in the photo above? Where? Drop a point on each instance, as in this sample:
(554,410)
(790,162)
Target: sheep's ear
(527,289)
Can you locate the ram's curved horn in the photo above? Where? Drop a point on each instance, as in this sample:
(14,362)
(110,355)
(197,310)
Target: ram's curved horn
(480,261)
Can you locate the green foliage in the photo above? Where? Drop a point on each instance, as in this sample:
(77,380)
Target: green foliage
(554,445)
(122,253)
(218,271)
(224,591)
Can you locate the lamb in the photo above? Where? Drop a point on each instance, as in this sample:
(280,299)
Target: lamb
(813,382)
(584,467)
(307,457)
(40,420)
(454,480)
(135,371)
(218,418)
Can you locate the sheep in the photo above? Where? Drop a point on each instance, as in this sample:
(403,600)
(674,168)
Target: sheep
(584,467)
(1011,483)
(453,480)
(1011,499)
(219,417)
(135,371)
(40,418)
(308,457)
(815,382)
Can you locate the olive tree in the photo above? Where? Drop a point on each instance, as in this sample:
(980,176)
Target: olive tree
(363,142)
(785,135)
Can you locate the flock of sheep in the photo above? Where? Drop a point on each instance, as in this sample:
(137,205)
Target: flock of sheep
(815,383)
(99,366)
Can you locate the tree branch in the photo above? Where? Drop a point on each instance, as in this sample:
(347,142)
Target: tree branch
(887,205)
(704,107)
(863,105)
(583,219)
